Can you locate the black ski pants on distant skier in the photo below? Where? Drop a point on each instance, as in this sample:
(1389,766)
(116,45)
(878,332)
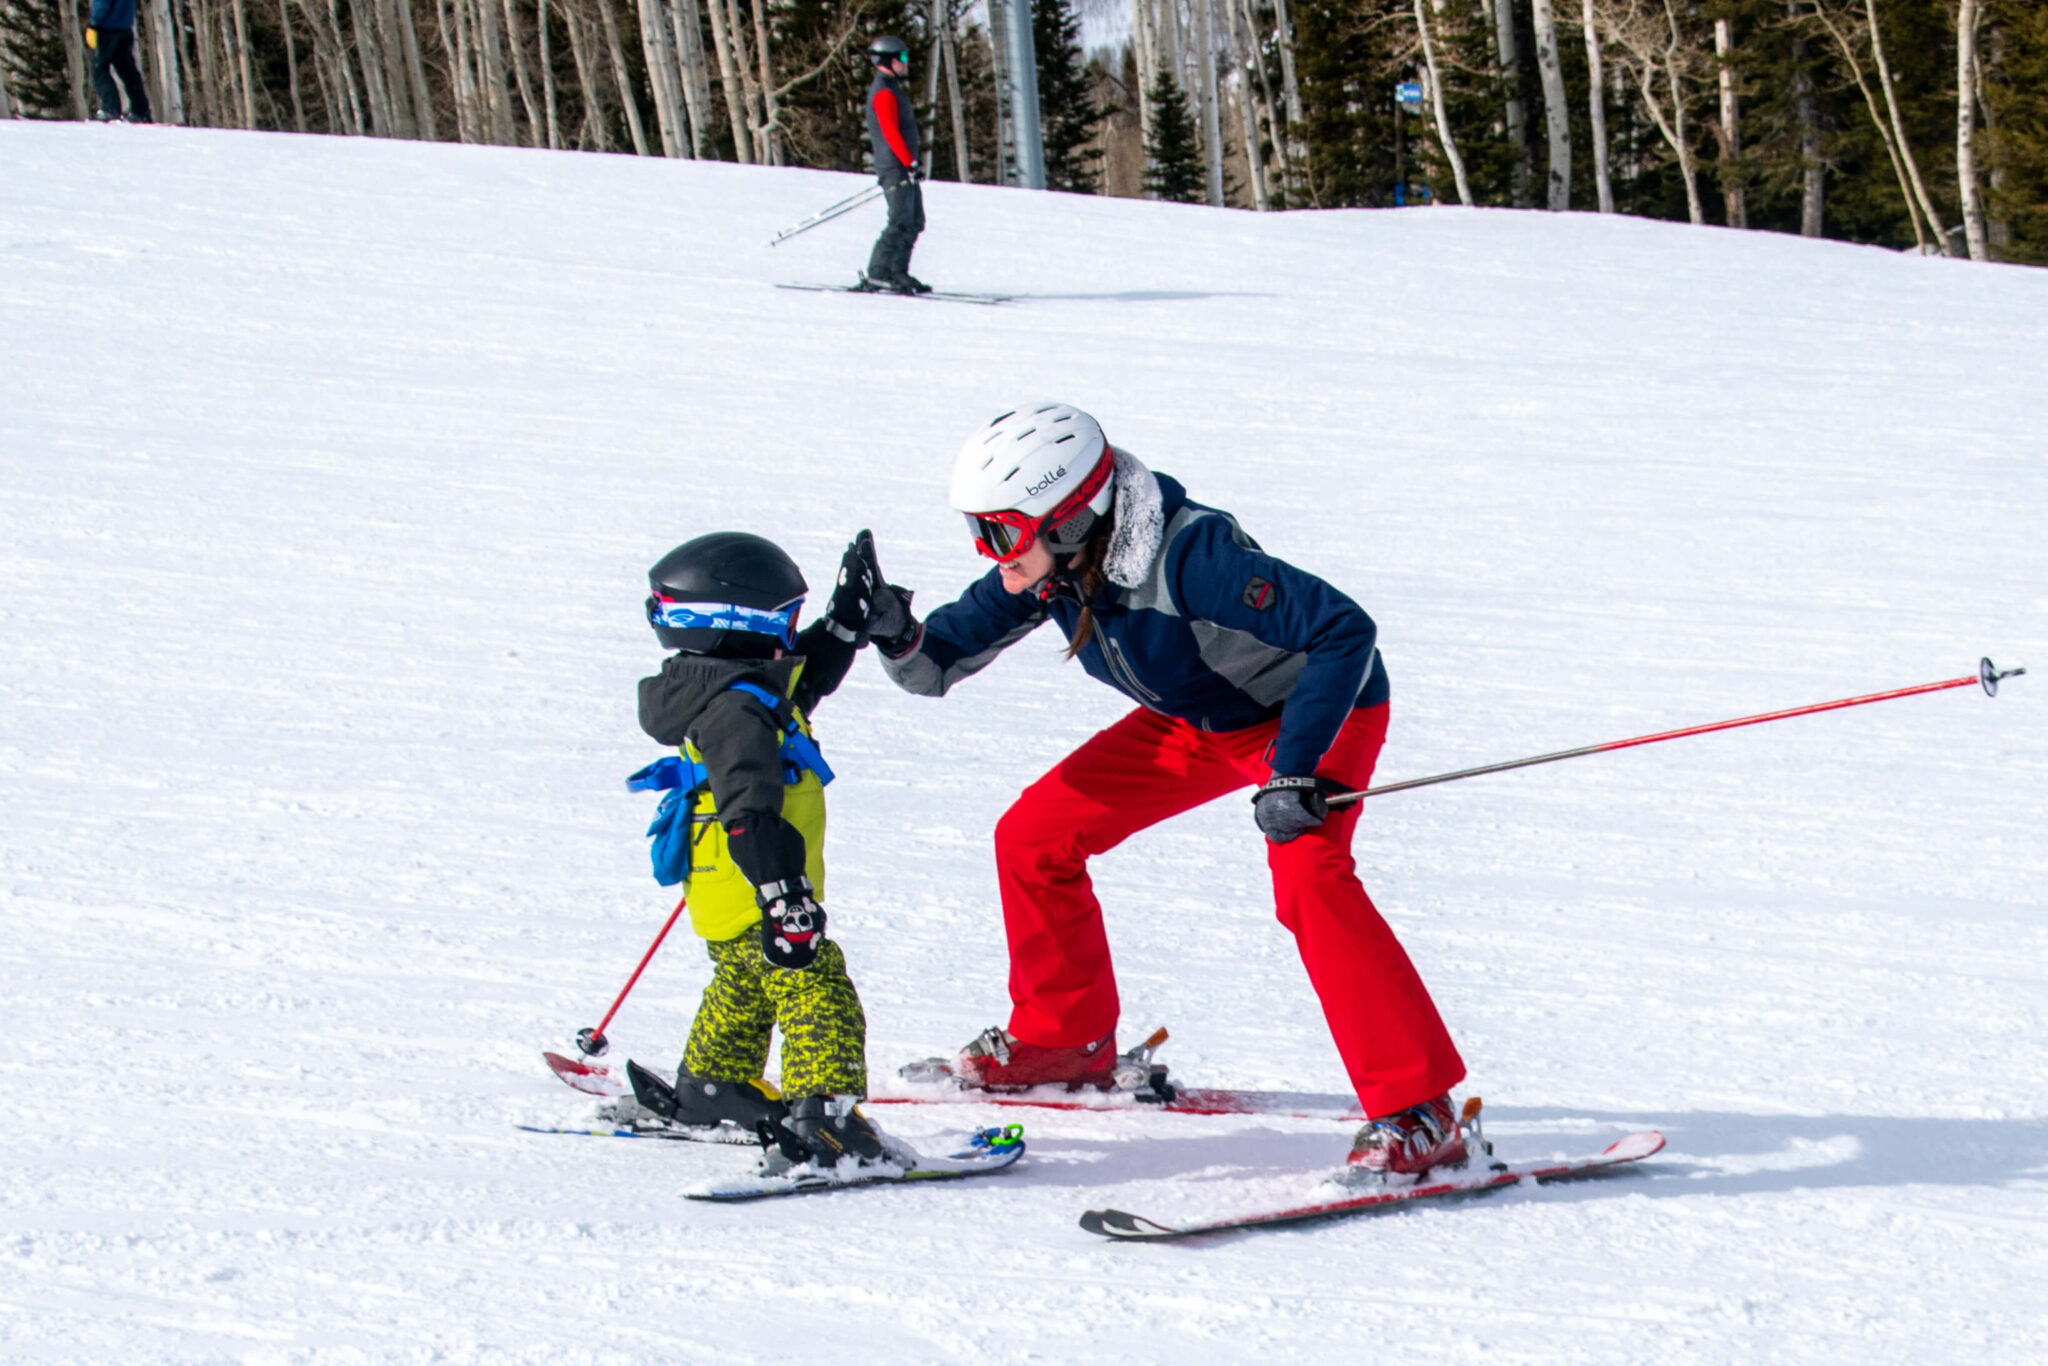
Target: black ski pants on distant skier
(115,56)
(890,260)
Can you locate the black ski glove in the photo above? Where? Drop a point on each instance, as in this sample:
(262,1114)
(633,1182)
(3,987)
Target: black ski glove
(853,597)
(1287,808)
(792,924)
(884,607)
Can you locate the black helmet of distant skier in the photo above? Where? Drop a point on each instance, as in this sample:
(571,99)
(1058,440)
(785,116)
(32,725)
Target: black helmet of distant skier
(888,48)
(729,593)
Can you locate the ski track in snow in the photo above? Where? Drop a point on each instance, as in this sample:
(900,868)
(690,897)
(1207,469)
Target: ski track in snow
(333,468)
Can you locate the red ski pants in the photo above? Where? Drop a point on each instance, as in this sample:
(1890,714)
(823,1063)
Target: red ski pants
(1135,774)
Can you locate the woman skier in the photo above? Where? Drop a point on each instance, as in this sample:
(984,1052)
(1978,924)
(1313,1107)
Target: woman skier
(1248,672)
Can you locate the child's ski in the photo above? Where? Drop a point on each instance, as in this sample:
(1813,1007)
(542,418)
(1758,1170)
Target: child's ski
(936,295)
(988,1151)
(1117,1224)
(723,1133)
(593,1079)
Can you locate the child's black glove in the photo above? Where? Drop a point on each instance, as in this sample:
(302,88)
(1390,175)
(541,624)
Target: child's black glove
(792,924)
(865,606)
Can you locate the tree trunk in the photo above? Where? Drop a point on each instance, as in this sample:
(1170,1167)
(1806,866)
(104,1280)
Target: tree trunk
(1267,103)
(1443,122)
(1734,196)
(689,31)
(291,64)
(171,105)
(1997,231)
(1812,170)
(730,85)
(581,40)
(618,54)
(247,66)
(416,74)
(662,78)
(1212,115)
(461,76)
(370,57)
(497,90)
(547,79)
(1556,112)
(1966,129)
(1141,47)
(771,125)
(1508,43)
(1290,91)
(1596,100)
(1891,103)
(516,41)
(962,163)
(74,58)
(1247,113)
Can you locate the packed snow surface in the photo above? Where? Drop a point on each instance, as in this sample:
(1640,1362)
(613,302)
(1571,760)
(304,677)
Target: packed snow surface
(332,473)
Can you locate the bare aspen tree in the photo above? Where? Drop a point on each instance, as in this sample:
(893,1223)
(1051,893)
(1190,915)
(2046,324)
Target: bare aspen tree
(291,64)
(1290,88)
(1891,103)
(1247,112)
(771,115)
(1443,122)
(547,77)
(170,104)
(248,71)
(1848,50)
(1967,15)
(942,21)
(1508,45)
(1997,231)
(455,44)
(1596,101)
(370,57)
(416,73)
(1212,121)
(729,82)
(6,101)
(684,18)
(1557,115)
(74,58)
(661,77)
(1268,107)
(1142,49)
(390,41)
(1806,109)
(516,42)
(582,39)
(1654,45)
(1734,199)
(497,89)
(618,55)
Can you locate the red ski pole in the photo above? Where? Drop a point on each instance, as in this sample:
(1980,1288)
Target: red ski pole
(592,1041)
(1987,677)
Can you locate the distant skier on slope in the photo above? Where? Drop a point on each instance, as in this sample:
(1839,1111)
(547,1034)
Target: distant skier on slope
(892,133)
(745,834)
(1248,671)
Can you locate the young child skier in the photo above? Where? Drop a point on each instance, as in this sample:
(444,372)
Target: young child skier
(743,829)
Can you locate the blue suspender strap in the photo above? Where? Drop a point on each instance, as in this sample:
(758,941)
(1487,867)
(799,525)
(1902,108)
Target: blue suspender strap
(799,751)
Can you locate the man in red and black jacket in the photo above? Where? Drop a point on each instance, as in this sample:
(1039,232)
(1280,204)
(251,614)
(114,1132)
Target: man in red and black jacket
(892,130)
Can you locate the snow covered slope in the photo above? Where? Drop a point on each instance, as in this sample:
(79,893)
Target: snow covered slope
(331,472)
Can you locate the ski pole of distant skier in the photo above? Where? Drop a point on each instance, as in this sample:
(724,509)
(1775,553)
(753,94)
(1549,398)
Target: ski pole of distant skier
(846,205)
(1987,677)
(592,1041)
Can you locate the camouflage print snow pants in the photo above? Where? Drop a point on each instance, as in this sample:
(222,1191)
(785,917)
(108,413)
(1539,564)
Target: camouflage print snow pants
(824,1033)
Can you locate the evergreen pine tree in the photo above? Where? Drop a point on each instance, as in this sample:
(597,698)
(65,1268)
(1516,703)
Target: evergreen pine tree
(1173,160)
(1067,112)
(38,76)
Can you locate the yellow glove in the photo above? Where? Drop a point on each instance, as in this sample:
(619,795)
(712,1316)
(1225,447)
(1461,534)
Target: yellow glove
(92,39)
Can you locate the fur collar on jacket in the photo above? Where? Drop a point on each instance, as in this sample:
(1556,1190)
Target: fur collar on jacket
(1140,523)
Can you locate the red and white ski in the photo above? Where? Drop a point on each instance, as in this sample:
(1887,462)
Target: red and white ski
(588,1077)
(1117,1224)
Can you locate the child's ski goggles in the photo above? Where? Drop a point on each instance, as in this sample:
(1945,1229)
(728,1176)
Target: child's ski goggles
(779,622)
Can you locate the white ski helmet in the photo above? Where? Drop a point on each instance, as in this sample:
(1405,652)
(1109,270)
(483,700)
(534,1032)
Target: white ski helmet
(1039,469)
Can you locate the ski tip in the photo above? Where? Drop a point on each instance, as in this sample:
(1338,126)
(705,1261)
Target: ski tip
(1635,1147)
(1116,1223)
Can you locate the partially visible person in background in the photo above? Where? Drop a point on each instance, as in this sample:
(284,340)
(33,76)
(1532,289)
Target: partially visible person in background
(111,36)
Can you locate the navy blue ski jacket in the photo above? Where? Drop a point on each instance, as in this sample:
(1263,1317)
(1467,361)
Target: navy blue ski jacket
(113,14)
(1218,634)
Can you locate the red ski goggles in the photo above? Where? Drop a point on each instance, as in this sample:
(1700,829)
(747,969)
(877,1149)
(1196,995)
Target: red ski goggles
(1008,535)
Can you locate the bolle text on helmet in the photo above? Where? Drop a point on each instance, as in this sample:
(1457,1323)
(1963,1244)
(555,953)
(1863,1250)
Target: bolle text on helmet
(1045,481)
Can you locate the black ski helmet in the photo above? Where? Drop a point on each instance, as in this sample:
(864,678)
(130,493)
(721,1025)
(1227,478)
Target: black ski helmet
(727,593)
(888,48)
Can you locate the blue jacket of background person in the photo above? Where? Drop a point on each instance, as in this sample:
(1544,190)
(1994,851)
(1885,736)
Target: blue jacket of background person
(1197,623)
(113,14)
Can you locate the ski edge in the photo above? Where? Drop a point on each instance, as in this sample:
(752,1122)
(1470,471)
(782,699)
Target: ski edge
(1002,1159)
(1123,1226)
(941,295)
